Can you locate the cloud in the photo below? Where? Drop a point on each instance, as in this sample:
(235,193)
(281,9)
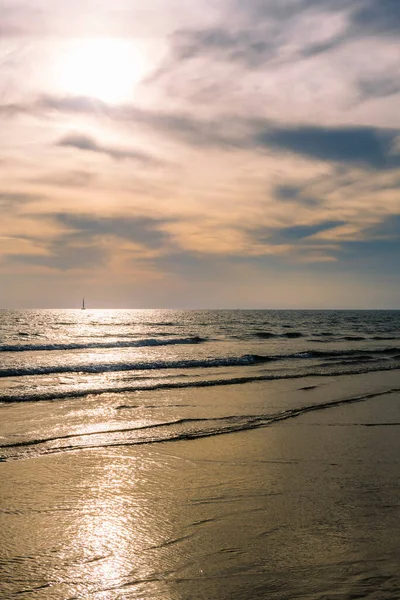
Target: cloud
(301,232)
(379,87)
(256,32)
(350,145)
(12,200)
(141,230)
(289,57)
(387,229)
(20,19)
(295,233)
(89,242)
(378,16)
(293,193)
(371,256)
(364,16)
(283,10)
(247,46)
(87,143)
(78,178)
(63,256)
(183,125)
(371,147)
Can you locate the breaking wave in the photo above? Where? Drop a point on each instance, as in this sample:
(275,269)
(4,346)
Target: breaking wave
(335,357)
(118,344)
(116,388)
(248,359)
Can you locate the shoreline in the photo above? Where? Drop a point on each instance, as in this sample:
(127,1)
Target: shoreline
(147,418)
(303,508)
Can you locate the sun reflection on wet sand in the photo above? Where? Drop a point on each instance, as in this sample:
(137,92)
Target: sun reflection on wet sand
(120,528)
(250,515)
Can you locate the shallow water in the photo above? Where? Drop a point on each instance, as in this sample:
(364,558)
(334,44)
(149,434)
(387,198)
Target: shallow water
(175,482)
(301,509)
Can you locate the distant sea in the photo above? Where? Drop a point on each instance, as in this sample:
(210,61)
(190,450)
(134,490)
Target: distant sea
(86,394)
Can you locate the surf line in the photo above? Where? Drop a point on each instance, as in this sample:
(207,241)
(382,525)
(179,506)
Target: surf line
(239,424)
(52,397)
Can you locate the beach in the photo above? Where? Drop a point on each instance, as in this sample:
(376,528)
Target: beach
(303,507)
(200,300)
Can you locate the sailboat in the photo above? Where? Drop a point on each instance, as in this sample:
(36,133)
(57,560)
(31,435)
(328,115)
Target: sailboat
(83,304)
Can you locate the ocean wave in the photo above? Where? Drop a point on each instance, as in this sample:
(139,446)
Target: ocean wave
(269,335)
(331,358)
(264,335)
(292,334)
(326,336)
(350,353)
(247,359)
(166,431)
(115,388)
(117,344)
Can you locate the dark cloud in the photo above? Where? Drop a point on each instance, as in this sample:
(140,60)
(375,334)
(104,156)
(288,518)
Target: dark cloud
(81,248)
(294,234)
(378,250)
(300,232)
(252,47)
(282,10)
(352,145)
(379,87)
(322,47)
(287,192)
(11,201)
(388,228)
(373,256)
(64,257)
(142,230)
(84,142)
(293,193)
(254,33)
(368,146)
(364,16)
(378,16)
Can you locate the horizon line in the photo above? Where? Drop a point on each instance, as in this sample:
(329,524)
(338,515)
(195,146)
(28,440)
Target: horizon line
(204,308)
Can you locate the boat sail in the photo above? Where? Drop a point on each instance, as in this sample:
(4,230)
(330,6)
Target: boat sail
(83,304)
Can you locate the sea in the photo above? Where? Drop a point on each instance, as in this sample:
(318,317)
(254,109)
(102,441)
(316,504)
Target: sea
(184,454)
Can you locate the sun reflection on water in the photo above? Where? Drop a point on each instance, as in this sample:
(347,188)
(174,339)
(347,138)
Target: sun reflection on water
(106,536)
(118,533)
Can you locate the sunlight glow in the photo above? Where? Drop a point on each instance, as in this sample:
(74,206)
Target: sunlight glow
(106,69)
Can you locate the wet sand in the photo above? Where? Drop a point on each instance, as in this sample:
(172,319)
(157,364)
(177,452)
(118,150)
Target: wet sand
(305,508)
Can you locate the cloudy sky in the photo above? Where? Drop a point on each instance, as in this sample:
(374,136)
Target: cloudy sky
(186,153)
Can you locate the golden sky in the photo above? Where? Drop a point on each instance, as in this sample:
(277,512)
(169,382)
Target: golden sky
(195,154)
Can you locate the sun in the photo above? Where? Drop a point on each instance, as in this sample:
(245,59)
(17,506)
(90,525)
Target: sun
(106,69)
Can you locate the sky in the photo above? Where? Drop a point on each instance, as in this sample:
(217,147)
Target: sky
(199,154)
